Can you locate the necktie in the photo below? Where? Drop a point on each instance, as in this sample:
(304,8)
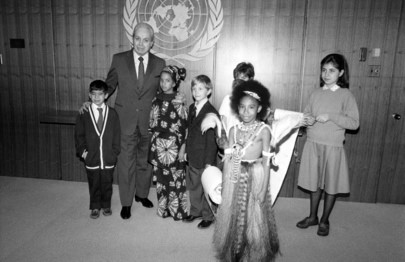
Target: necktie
(100,119)
(141,72)
(193,113)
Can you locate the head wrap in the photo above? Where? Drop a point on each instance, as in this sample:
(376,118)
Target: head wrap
(177,74)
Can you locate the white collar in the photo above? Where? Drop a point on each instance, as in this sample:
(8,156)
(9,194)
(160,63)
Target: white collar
(333,88)
(94,107)
(145,59)
(200,105)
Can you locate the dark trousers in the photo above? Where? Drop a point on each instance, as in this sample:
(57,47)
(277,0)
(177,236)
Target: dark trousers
(199,205)
(134,173)
(100,187)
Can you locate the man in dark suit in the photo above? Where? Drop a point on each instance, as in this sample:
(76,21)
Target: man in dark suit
(135,73)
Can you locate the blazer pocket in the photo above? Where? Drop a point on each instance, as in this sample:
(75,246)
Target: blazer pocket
(118,105)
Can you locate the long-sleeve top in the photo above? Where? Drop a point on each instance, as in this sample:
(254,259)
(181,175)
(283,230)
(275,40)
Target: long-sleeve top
(201,148)
(102,146)
(343,113)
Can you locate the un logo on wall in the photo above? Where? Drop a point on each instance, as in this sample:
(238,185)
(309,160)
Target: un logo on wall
(184,30)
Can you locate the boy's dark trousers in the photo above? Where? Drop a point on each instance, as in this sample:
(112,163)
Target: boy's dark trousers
(198,203)
(100,187)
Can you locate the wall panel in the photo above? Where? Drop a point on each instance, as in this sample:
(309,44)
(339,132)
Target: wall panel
(391,182)
(24,77)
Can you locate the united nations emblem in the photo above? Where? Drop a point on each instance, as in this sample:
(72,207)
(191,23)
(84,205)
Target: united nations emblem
(185,29)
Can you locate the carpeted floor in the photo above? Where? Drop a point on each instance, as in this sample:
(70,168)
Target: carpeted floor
(48,220)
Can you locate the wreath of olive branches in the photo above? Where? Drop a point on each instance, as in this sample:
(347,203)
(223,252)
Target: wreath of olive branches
(203,46)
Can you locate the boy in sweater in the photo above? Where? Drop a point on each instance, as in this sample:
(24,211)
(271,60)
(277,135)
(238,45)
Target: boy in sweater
(97,136)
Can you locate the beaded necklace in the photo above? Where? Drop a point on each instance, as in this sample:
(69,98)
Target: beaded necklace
(243,139)
(246,132)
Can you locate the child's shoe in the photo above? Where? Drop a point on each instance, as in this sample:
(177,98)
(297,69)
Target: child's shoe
(307,222)
(323,229)
(95,213)
(107,211)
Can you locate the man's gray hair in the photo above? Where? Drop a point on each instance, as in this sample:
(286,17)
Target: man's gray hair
(146,26)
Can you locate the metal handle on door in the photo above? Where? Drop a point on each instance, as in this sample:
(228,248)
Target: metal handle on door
(396,116)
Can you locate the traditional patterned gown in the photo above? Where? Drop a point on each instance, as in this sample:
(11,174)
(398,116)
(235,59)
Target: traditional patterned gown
(168,126)
(245,229)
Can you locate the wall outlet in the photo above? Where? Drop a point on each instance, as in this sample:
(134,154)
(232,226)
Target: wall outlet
(374,70)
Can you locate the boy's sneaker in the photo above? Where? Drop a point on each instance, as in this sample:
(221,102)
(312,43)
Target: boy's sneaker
(95,213)
(107,211)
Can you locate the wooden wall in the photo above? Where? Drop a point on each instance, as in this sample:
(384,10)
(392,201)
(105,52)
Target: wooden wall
(70,43)
(345,27)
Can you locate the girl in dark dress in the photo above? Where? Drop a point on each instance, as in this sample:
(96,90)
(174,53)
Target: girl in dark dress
(168,127)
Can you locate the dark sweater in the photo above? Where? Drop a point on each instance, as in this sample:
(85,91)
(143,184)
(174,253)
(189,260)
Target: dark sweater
(103,148)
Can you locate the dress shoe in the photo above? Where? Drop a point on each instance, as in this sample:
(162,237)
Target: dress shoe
(323,229)
(204,224)
(190,218)
(126,212)
(107,211)
(145,202)
(307,222)
(95,213)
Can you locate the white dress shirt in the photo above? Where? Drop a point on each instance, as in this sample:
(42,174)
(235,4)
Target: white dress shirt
(145,62)
(95,111)
(200,105)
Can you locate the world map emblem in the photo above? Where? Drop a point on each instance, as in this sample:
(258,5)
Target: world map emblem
(184,30)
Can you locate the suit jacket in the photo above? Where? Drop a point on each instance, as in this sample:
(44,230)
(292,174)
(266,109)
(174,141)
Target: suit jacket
(201,148)
(133,104)
(102,147)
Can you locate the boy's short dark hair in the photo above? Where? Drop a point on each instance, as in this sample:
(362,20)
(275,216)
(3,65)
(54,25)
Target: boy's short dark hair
(203,79)
(244,68)
(98,85)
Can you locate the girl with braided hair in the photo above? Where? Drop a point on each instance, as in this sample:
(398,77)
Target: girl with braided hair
(168,124)
(245,229)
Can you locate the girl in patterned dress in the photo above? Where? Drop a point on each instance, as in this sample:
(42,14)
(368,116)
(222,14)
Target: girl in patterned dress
(245,229)
(168,127)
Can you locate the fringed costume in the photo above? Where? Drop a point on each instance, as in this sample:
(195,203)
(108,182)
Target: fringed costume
(245,229)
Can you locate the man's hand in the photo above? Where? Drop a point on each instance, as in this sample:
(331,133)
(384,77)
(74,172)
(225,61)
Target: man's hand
(85,107)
